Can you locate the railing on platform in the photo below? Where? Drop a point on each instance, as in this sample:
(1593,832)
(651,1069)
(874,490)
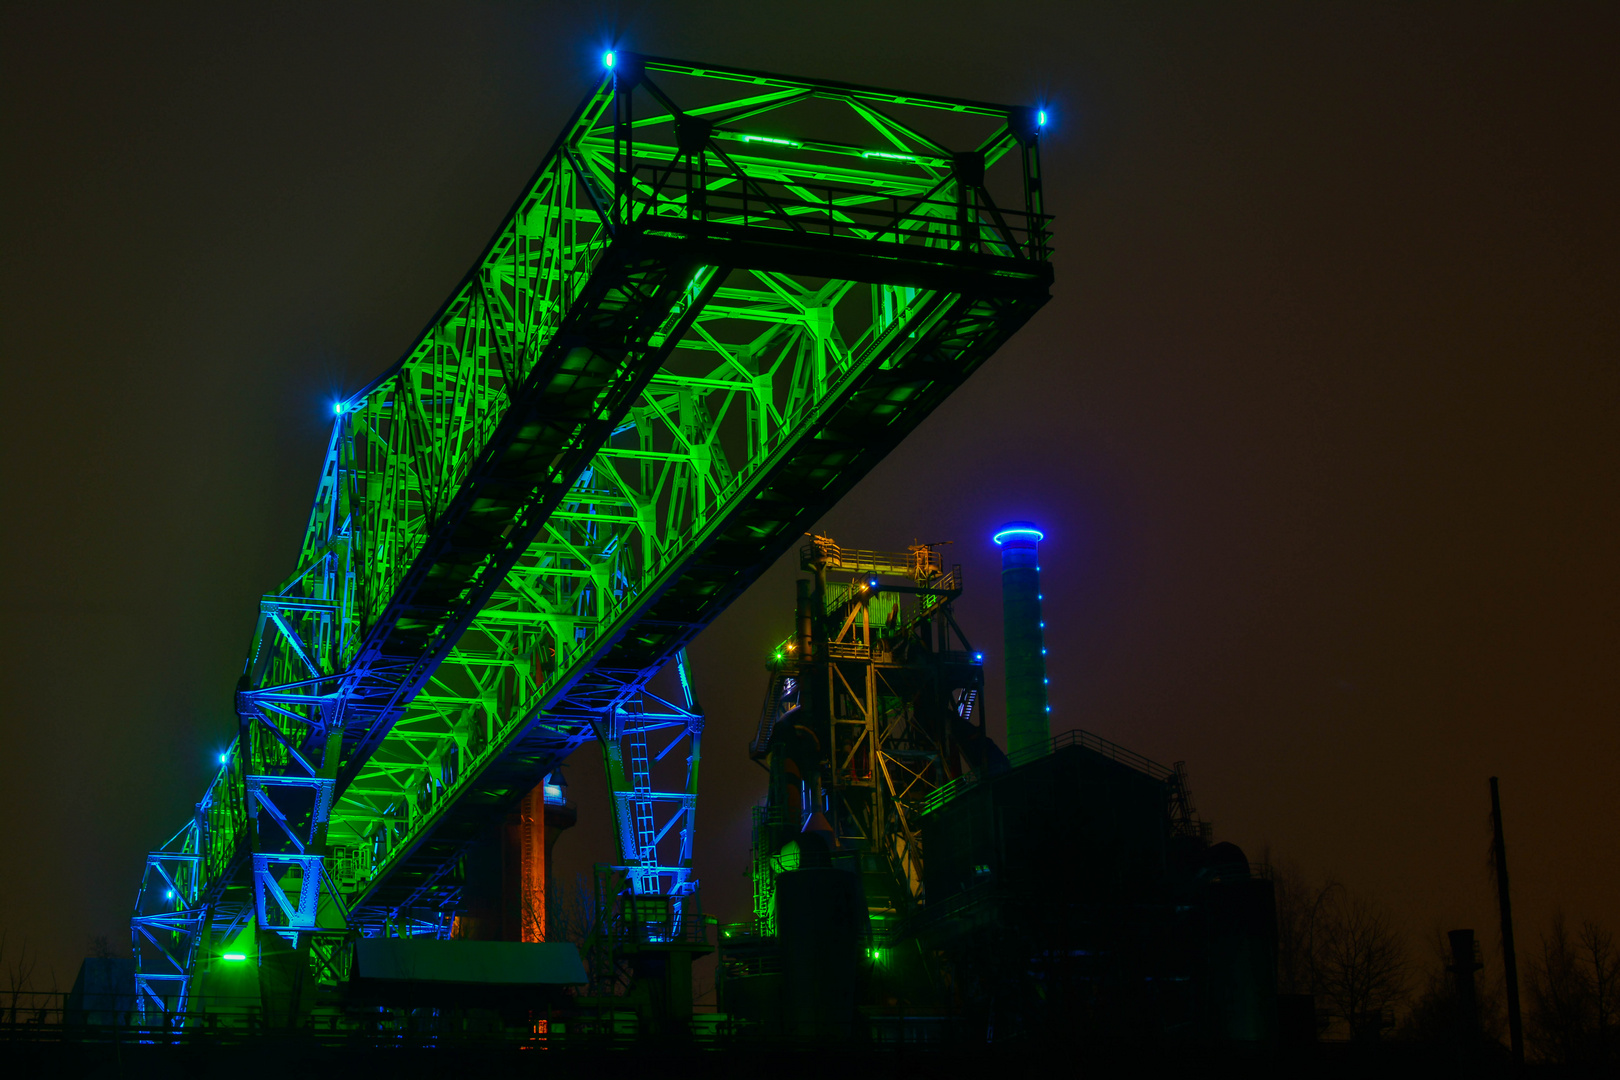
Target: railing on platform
(47,1018)
(858,213)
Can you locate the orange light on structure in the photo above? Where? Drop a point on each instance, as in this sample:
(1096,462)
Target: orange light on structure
(531,840)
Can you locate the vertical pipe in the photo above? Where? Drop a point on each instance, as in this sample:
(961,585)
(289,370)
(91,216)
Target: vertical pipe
(1510,963)
(801,611)
(1029,726)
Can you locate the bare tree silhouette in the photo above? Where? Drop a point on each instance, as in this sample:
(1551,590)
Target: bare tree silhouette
(1343,949)
(103,949)
(1572,990)
(18,968)
(570,910)
(1358,961)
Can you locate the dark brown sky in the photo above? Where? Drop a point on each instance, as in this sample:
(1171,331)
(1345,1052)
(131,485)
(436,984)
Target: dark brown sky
(1321,419)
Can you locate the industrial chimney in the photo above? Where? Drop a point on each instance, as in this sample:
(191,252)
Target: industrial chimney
(1029,727)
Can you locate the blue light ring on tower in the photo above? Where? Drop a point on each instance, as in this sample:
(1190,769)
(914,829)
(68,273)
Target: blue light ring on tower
(1018,530)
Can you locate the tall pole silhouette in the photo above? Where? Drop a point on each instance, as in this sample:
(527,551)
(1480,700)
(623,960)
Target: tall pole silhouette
(1510,963)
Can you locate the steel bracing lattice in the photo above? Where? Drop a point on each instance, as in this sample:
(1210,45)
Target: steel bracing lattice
(723,297)
(869,710)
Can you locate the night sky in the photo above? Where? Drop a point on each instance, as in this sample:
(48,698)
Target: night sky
(1321,419)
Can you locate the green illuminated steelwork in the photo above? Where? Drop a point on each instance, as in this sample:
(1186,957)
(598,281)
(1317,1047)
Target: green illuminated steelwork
(686,340)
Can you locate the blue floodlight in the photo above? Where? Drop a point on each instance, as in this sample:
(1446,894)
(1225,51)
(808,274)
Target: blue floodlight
(170,894)
(608,59)
(1040,118)
(1021,530)
(337,408)
(225,757)
(979,656)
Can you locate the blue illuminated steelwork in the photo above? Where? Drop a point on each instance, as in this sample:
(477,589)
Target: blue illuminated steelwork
(519,523)
(644,814)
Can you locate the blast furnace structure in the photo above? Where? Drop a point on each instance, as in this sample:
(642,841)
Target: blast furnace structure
(912,882)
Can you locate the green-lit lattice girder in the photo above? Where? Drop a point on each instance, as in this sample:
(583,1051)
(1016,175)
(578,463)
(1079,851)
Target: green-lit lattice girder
(722,299)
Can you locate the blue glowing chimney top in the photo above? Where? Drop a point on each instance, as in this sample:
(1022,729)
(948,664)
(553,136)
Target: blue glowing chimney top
(1029,725)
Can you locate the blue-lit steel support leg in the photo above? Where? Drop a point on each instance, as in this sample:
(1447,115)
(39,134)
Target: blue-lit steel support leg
(643,815)
(166,926)
(287,855)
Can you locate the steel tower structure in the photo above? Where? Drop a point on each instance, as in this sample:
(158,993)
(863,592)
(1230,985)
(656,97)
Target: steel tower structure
(723,297)
(870,708)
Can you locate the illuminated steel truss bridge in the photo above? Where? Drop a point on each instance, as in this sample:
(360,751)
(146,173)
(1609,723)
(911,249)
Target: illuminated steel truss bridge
(724,296)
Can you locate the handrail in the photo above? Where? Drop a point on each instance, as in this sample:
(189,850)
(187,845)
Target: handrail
(842,210)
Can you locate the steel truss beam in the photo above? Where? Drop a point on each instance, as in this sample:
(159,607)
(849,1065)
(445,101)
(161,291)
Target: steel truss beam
(721,300)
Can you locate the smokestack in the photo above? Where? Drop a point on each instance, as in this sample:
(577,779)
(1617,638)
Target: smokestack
(1029,727)
(801,612)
